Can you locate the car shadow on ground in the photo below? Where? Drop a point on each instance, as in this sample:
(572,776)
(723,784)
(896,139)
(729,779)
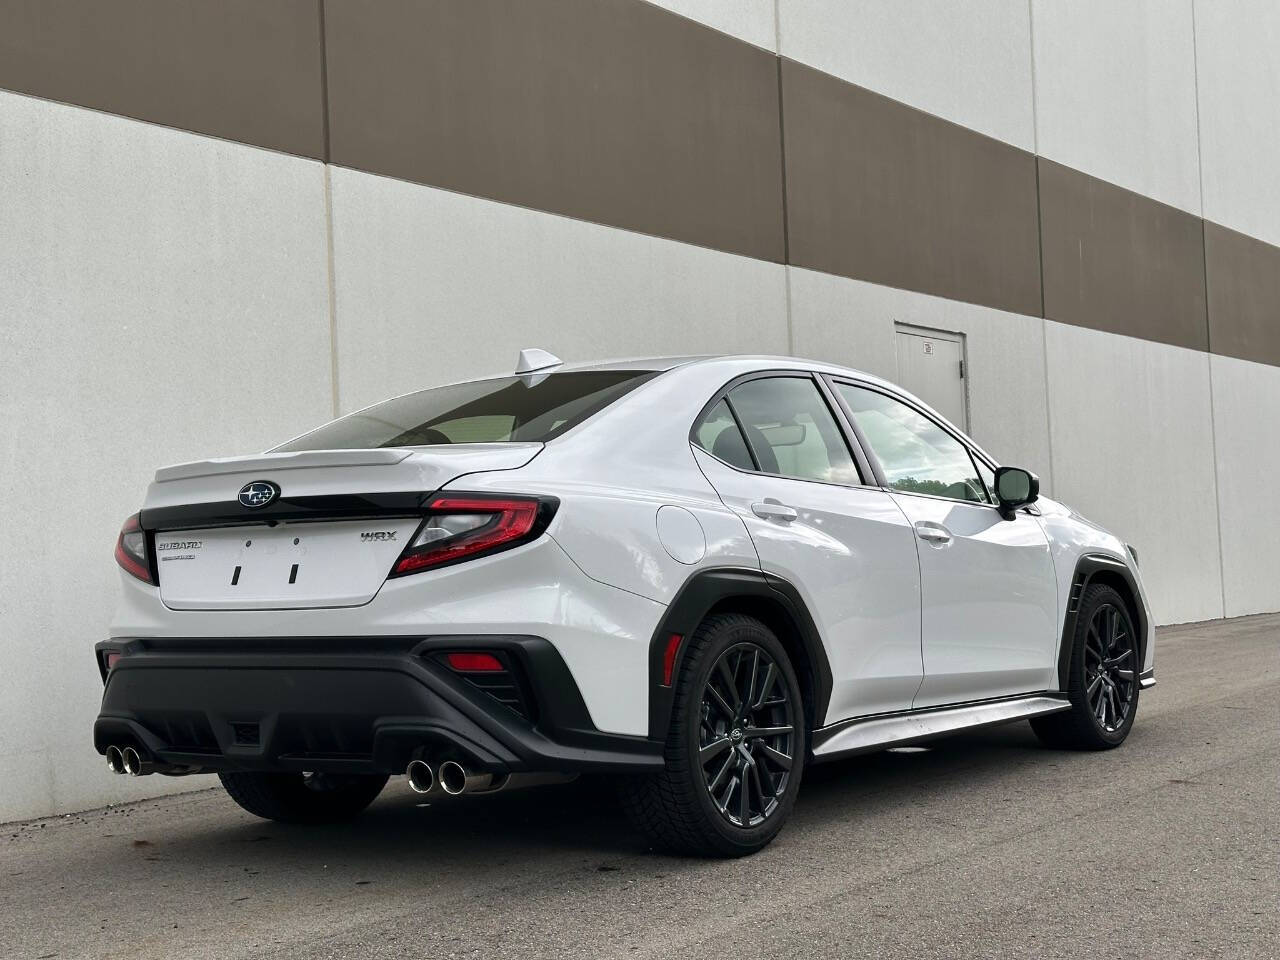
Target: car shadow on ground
(581,818)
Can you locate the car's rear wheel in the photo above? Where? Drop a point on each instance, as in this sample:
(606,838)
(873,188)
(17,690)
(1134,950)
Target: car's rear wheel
(303,797)
(1102,678)
(735,749)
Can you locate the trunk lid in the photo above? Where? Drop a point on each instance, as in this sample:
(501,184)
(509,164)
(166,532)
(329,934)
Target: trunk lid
(330,537)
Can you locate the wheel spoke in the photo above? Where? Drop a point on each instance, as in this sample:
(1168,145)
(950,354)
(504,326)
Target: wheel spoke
(750,696)
(1093,687)
(721,704)
(776,757)
(1125,674)
(1118,658)
(765,686)
(731,682)
(763,778)
(723,772)
(744,799)
(723,800)
(713,750)
(753,733)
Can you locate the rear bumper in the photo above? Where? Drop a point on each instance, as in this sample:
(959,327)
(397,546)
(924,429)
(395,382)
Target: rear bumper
(353,704)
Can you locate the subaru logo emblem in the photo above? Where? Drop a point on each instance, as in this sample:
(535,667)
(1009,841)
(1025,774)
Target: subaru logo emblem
(258,494)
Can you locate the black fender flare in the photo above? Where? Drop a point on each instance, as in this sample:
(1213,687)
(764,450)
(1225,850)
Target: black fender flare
(1088,567)
(698,596)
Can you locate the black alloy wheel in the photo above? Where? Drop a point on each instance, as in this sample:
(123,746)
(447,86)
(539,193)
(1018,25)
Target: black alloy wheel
(747,734)
(736,746)
(1110,661)
(1101,679)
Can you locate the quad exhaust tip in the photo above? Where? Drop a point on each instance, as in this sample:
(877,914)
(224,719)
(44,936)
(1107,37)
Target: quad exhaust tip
(422,778)
(453,778)
(134,765)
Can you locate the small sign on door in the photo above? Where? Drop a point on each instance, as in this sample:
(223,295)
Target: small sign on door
(928,348)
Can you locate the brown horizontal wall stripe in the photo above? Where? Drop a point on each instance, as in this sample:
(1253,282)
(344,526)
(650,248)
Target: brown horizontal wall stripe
(623,113)
(612,111)
(244,70)
(882,192)
(1117,261)
(1244,295)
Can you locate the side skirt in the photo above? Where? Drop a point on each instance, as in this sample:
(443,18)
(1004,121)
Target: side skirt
(864,734)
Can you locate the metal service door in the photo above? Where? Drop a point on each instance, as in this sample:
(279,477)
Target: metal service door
(931,365)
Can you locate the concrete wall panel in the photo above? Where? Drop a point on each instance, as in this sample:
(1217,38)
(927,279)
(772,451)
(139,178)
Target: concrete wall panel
(1246,408)
(433,287)
(1116,93)
(1239,84)
(1132,442)
(162,298)
(967,61)
(852,323)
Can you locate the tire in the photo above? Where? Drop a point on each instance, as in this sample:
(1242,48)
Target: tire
(681,809)
(303,798)
(1104,634)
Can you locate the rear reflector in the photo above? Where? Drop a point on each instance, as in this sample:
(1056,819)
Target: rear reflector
(669,658)
(110,658)
(474,662)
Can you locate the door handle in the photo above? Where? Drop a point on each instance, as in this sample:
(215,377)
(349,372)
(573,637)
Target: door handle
(934,533)
(771,509)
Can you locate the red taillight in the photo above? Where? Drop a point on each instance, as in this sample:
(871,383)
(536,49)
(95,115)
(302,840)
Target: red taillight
(462,526)
(669,658)
(110,658)
(131,550)
(474,662)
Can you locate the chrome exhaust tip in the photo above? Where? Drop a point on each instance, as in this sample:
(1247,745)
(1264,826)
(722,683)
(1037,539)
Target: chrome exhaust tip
(455,780)
(134,765)
(422,778)
(115,759)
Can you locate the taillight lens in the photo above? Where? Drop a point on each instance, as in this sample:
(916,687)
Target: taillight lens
(131,550)
(463,526)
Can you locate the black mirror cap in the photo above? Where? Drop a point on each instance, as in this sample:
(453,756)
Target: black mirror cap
(1015,487)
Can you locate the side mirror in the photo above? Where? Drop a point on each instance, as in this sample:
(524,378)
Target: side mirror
(1015,488)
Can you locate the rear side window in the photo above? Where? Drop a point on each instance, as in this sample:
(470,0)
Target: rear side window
(719,435)
(505,409)
(791,431)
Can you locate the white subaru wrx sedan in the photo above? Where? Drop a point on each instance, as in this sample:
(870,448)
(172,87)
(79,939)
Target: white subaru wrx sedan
(699,575)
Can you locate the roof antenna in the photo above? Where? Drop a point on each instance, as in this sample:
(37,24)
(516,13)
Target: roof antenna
(535,365)
(532,359)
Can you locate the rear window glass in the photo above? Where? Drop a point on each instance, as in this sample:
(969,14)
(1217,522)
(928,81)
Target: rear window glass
(537,407)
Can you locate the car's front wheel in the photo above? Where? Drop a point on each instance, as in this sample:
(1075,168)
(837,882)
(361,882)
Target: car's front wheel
(303,797)
(1102,677)
(735,749)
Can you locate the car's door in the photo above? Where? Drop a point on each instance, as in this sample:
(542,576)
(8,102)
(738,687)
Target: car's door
(771,447)
(988,591)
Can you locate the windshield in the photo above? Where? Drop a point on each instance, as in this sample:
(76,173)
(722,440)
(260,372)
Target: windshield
(536,407)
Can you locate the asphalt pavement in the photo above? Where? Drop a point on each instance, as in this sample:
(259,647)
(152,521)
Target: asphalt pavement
(984,845)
